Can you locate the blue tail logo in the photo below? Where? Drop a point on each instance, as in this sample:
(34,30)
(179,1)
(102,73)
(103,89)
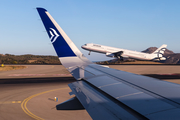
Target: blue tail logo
(58,39)
(54,35)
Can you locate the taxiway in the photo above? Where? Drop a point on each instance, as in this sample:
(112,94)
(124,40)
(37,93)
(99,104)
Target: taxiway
(29,93)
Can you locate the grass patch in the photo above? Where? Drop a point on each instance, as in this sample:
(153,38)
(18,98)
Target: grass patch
(7,68)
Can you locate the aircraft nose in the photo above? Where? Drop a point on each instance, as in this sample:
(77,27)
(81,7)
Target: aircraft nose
(82,46)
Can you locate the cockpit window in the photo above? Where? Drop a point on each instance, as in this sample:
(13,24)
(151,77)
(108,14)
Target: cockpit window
(85,44)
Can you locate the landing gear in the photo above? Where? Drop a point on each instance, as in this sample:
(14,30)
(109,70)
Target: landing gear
(89,52)
(120,59)
(118,55)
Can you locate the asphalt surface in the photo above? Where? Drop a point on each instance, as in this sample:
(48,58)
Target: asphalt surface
(164,72)
(30,93)
(34,71)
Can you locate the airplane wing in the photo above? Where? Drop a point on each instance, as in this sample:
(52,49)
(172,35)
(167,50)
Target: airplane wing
(115,54)
(108,93)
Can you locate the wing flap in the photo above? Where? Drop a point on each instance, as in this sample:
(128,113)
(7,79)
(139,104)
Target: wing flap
(124,90)
(98,105)
(129,95)
(157,88)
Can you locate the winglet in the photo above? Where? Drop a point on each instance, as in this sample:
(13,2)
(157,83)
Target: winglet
(63,45)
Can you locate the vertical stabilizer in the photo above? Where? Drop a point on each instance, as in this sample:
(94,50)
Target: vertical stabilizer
(63,45)
(159,53)
(160,50)
(66,50)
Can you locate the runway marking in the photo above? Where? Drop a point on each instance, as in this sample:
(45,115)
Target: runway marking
(40,75)
(24,103)
(9,102)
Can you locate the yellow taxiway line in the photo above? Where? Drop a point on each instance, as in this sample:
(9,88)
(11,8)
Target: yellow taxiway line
(24,103)
(9,102)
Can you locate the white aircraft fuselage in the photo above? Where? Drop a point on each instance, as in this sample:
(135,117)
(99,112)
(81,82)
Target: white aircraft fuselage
(123,53)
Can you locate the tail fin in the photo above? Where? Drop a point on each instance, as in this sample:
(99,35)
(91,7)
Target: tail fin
(63,45)
(68,53)
(160,50)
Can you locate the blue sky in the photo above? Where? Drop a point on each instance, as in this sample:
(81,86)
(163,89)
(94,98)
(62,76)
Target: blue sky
(128,24)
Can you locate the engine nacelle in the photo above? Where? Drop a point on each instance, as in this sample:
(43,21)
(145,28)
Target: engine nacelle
(110,55)
(162,58)
(158,59)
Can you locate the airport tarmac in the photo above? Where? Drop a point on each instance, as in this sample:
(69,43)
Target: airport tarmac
(29,93)
(151,69)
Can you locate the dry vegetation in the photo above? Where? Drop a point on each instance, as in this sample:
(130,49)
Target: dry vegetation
(7,68)
(28,59)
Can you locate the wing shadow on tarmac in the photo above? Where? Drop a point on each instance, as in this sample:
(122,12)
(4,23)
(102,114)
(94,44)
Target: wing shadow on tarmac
(37,80)
(163,76)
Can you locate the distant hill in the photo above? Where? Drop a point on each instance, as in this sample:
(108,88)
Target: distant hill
(28,59)
(152,49)
(171,57)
